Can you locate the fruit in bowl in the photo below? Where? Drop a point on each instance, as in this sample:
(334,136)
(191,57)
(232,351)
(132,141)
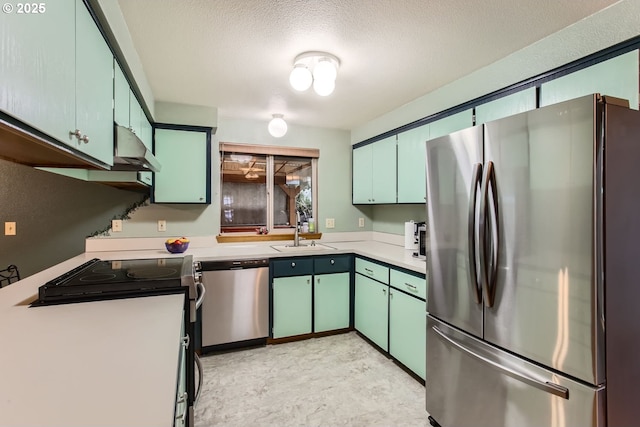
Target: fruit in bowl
(177,246)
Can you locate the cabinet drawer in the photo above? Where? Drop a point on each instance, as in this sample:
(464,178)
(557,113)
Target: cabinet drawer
(372,270)
(331,264)
(409,283)
(292,267)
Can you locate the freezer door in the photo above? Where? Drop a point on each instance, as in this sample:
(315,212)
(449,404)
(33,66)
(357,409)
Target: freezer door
(543,302)
(454,165)
(470,383)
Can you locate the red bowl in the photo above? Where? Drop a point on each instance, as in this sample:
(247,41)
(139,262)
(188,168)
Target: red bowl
(176,248)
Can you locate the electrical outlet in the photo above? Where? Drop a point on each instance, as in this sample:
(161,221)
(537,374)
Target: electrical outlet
(360,222)
(330,223)
(9,228)
(116,225)
(162,225)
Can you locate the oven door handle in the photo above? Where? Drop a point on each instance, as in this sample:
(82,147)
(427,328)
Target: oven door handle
(201,291)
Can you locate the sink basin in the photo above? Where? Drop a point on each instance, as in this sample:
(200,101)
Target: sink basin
(302,248)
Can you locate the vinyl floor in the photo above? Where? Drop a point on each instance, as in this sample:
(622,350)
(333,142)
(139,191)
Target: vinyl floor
(339,380)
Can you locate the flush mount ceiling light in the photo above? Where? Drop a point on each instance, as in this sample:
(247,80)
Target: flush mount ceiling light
(277,126)
(317,68)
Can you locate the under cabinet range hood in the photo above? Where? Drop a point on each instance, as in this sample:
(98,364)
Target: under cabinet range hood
(131,154)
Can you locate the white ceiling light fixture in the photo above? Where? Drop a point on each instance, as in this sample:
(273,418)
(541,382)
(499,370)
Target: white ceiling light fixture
(317,68)
(277,126)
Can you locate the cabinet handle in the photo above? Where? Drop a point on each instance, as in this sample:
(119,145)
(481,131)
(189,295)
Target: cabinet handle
(185,341)
(412,287)
(183,417)
(75,133)
(293,264)
(332,262)
(84,138)
(368,271)
(384,291)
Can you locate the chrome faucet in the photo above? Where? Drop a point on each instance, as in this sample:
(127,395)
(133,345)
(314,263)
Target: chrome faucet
(296,236)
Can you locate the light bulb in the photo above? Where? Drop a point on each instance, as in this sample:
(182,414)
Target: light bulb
(325,70)
(324,87)
(277,126)
(300,77)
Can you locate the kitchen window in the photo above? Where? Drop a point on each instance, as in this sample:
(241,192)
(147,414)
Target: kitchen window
(263,187)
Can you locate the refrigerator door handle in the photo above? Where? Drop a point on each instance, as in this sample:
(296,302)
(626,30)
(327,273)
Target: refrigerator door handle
(489,278)
(476,290)
(545,386)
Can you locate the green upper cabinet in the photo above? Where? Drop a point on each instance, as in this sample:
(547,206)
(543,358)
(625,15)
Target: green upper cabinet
(56,75)
(362,169)
(412,187)
(374,172)
(94,88)
(518,102)
(38,68)
(135,114)
(616,77)
(121,93)
(185,156)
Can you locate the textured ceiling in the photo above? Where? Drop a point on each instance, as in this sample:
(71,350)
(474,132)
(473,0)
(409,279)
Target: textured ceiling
(236,55)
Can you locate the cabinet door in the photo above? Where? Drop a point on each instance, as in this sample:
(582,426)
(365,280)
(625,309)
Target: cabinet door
(362,165)
(372,310)
(450,124)
(185,174)
(94,88)
(615,77)
(412,178)
(291,306)
(146,131)
(408,331)
(518,102)
(331,301)
(38,68)
(383,176)
(120,97)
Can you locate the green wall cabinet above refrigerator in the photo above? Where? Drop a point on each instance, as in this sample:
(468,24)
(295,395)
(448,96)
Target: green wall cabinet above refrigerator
(184,153)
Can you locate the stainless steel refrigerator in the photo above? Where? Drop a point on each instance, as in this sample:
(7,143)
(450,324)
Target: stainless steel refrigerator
(534,269)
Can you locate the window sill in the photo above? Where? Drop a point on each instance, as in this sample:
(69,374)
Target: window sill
(228,238)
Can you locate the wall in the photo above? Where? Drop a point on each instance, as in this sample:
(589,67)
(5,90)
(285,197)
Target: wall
(612,25)
(599,31)
(334,186)
(54,215)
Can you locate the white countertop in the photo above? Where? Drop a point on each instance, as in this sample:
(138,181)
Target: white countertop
(103,363)
(110,363)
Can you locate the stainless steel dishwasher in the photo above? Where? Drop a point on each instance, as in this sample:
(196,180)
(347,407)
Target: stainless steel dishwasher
(235,311)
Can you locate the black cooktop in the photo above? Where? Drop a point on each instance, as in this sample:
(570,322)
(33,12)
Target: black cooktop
(98,279)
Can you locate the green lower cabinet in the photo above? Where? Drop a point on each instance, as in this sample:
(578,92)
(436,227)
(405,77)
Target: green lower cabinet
(408,331)
(331,301)
(372,310)
(291,306)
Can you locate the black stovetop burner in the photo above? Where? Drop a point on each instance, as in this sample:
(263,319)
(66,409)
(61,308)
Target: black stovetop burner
(98,279)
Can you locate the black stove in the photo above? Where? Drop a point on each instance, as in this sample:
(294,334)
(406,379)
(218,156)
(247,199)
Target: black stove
(98,279)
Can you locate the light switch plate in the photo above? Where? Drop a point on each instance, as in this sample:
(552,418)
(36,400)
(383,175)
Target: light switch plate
(116,225)
(360,222)
(9,228)
(162,225)
(330,223)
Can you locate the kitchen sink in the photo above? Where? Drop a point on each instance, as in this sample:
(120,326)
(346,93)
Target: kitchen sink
(306,247)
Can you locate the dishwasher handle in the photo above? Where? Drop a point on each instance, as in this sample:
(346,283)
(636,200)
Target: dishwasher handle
(233,265)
